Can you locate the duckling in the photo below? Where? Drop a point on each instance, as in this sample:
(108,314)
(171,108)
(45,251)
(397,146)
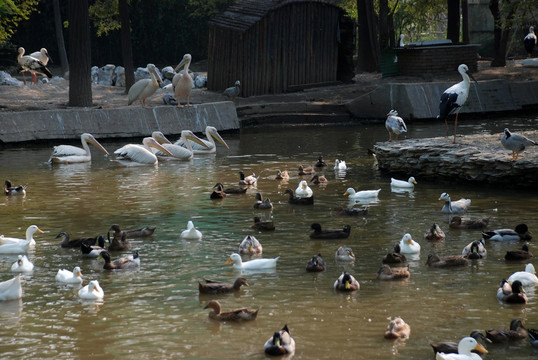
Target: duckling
(349,211)
(69,277)
(125,262)
(93,251)
(247,180)
(320,163)
(262,204)
(318,233)
(229,191)
(281,343)
(306,170)
(527,277)
(385,272)
(282,175)
(242,314)
(397,329)
(457,223)
(444,261)
(250,245)
(219,287)
(394,257)
(520,232)
(452,347)
(22,265)
(303,190)
(434,233)
(408,245)
(533,337)
(319,180)
(120,244)
(475,250)
(500,335)
(75,243)
(132,233)
(92,291)
(344,254)
(518,254)
(316,264)
(340,165)
(363,194)
(9,189)
(465,346)
(191,233)
(218,193)
(297,200)
(346,282)
(454,207)
(511,293)
(263,225)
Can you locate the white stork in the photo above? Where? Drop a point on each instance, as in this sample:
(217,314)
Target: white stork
(530,41)
(33,65)
(43,56)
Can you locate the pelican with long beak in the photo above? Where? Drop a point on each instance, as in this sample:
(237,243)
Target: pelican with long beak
(182,83)
(68,154)
(134,154)
(210,147)
(143,89)
(33,65)
(179,152)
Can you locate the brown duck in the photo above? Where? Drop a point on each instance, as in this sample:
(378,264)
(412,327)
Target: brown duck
(242,314)
(445,261)
(385,272)
(220,287)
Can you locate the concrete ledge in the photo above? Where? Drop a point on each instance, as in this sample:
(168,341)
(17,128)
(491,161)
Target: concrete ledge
(114,123)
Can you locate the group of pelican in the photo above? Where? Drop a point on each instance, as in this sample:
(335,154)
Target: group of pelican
(152,148)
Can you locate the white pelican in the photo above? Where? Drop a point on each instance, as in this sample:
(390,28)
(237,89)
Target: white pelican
(180,152)
(69,277)
(530,41)
(22,264)
(11,289)
(340,165)
(210,147)
(144,88)
(454,97)
(409,184)
(454,207)
(92,291)
(516,143)
(9,189)
(28,241)
(353,195)
(68,154)
(134,154)
(183,82)
(31,64)
(43,56)
(394,125)
(233,91)
(303,190)
(252,264)
(408,245)
(191,233)
(464,351)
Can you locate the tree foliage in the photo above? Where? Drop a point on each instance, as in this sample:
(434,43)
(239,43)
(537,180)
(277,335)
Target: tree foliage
(104,14)
(12,12)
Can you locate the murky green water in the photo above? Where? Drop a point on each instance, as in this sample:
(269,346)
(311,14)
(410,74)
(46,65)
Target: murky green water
(156,312)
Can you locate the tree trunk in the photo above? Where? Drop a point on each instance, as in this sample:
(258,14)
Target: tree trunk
(384,31)
(465,21)
(80,85)
(453,21)
(60,36)
(501,35)
(126,47)
(369,51)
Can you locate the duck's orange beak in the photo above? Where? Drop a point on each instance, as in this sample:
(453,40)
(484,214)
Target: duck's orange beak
(228,261)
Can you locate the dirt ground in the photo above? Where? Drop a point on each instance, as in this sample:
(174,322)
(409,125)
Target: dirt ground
(55,95)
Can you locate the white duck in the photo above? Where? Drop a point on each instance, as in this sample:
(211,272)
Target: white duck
(134,154)
(11,289)
(92,291)
(527,277)
(16,245)
(454,207)
(363,194)
(191,233)
(251,264)
(409,184)
(68,277)
(22,265)
(69,154)
(465,346)
(339,165)
(303,190)
(179,152)
(210,147)
(408,245)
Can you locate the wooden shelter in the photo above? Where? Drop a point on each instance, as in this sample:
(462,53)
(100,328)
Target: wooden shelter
(275,46)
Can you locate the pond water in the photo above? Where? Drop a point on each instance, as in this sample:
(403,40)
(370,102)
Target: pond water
(155,312)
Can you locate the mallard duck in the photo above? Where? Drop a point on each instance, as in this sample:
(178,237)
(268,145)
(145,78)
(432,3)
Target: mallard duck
(9,189)
(408,245)
(533,337)
(318,233)
(250,245)
(282,175)
(242,314)
(67,242)
(450,347)
(22,264)
(125,262)
(346,282)
(515,143)
(303,190)
(340,165)
(454,207)
(434,233)
(281,343)
(229,191)
(475,250)
(218,193)
(251,264)
(511,293)
(69,277)
(191,233)
(385,272)
(319,180)
(501,335)
(527,277)
(30,231)
(263,225)
(262,204)
(92,291)
(464,351)
(435,260)
(93,251)
(132,233)
(306,170)
(120,244)
(247,180)
(344,254)
(409,184)
(320,163)
(349,211)
(316,264)
(363,194)
(297,200)
(519,254)
(458,223)
(11,289)
(520,232)
(397,329)
(219,287)
(395,257)
(394,125)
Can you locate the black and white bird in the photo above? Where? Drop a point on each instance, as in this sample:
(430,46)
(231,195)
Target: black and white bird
(454,97)
(233,91)
(32,65)
(530,41)
(515,142)
(43,56)
(394,124)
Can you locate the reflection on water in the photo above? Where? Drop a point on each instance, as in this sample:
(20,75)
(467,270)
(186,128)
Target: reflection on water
(156,312)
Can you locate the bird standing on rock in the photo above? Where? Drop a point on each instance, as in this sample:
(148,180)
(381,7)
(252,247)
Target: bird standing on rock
(515,142)
(394,125)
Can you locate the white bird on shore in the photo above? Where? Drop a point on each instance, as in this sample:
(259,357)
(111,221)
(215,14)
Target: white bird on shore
(32,65)
(134,154)
(68,154)
(43,56)
(144,88)
(530,41)
(516,143)
(182,83)
(210,147)
(179,152)
(394,125)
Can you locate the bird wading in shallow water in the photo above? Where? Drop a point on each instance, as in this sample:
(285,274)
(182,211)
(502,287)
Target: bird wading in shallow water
(516,143)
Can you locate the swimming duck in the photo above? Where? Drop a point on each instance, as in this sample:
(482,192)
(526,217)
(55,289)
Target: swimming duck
(409,184)
(306,170)
(93,251)
(385,272)
(316,264)
(452,347)
(9,189)
(120,244)
(349,211)
(511,293)
(262,204)
(394,125)
(263,225)
(67,242)
(92,291)
(191,233)
(340,165)
(125,262)
(408,245)
(303,190)
(533,337)
(397,329)
(297,200)
(434,233)
(464,351)
(282,175)
(501,335)
(395,257)
(250,245)
(353,195)
(445,261)
(519,254)
(457,223)
(132,233)
(247,180)
(68,277)
(320,162)
(527,277)
(520,232)
(251,264)
(11,289)
(319,180)
(242,314)
(228,191)
(281,343)
(318,233)
(475,250)
(218,193)
(220,287)
(454,207)
(344,254)
(30,231)
(346,282)
(22,264)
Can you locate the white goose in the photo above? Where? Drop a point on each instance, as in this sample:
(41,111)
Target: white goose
(191,233)
(303,190)
(209,147)
(182,83)
(69,277)
(92,291)
(179,152)
(144,88)
(68,154)
(11,289)
(134,154)
(22,265)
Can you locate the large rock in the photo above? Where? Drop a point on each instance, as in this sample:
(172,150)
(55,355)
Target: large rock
(105,75)
(6,79)
(168,73)
(119,76)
